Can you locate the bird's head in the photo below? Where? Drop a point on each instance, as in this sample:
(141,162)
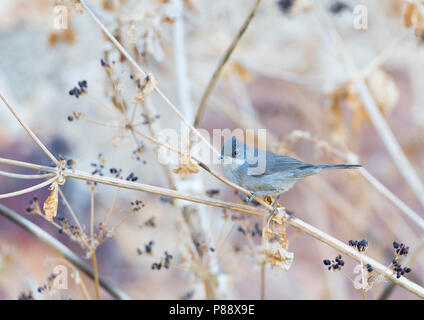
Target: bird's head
(233,149)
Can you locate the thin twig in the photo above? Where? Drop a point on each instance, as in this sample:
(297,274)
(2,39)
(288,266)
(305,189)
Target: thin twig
(87,6)
(29,131)
(93,245)
(28,190)
(25,176)
(212,82)
(60,248)
(373,111)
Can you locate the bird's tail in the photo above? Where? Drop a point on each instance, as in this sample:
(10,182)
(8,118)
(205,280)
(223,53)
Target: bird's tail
(339,166)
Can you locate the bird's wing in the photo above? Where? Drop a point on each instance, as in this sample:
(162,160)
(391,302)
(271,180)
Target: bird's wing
(278,163)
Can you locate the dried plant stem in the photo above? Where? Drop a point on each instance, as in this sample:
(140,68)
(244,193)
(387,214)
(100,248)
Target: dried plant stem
(29,131)
(62,249)
(292,221)
(71,211)
(23,164)
(87,6)
(263,269)
(109,213)
(25,176)
(28,190)
(373,111)
(96,274)
(93,245)
(212,82)
(200,229)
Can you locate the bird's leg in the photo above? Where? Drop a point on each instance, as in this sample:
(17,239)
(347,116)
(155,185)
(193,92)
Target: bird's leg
(262,192)
(274,204)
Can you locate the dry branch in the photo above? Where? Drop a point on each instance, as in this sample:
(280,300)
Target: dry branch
(62,249)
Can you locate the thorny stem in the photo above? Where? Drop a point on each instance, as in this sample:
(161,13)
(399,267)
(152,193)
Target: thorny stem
(212,82)
(30,133)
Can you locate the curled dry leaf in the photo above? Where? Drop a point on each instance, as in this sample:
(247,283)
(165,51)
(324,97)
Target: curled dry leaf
(383,89)
(275,246)
(413,18)
(51,203)
(144,88)
(278,257)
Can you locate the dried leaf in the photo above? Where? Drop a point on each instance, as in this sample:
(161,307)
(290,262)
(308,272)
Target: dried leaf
(382,88)
(187,167)
(412,17)
(51,203)
(279,257)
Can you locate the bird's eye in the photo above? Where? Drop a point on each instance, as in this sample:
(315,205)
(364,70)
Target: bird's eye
(235,153)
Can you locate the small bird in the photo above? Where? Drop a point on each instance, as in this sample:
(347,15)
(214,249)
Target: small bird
(263,172)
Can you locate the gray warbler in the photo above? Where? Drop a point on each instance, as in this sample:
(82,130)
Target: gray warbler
(263,172)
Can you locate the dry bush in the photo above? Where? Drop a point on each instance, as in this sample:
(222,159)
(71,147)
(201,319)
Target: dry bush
(95,98)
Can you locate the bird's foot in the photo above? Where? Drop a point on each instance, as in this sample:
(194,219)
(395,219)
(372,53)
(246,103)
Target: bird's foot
(252,196)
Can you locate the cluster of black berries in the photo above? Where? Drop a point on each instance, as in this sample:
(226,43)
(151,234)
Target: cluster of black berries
(188,295)
(67,227)
(338,6)
(241,229)
(104,64)
(137,152)
(81,89)
(147,248)
(132,177)
(397,267)
(70,163)
(137,205)
(369,268)
(156,266)
(150,222)
(361,246)
(115,172)
(168,258)
(34,206)
(148,120)
(335,264)
(400,249)
(166,261)
(256,231)
(212,192)
(285,5)
(98,168)
(76,116)
(167,199)
(26,296)
(45,287)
